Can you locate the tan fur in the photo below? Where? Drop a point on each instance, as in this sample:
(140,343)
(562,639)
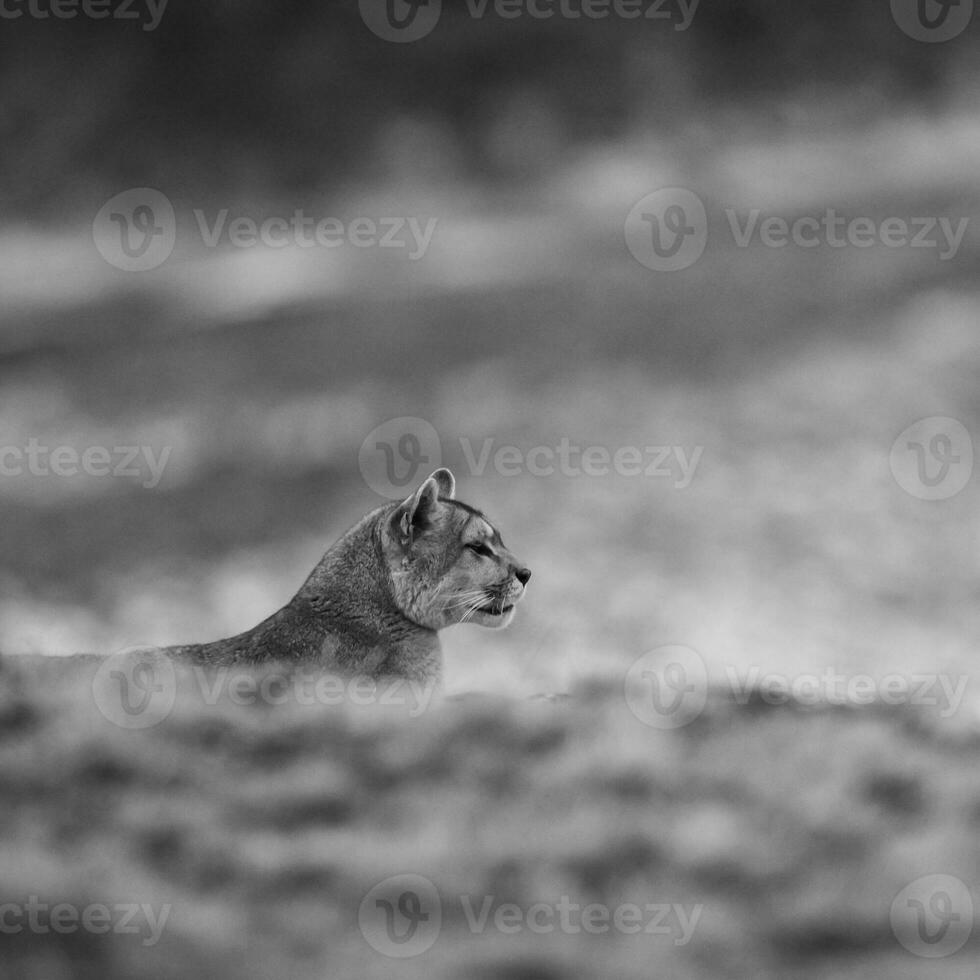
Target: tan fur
(375,602)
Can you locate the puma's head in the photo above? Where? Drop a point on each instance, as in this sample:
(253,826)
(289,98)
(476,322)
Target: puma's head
(448,563)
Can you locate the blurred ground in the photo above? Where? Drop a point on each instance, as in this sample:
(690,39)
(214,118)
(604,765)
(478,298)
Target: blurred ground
(791,830)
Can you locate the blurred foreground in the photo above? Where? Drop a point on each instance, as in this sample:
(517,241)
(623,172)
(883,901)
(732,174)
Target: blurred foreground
(776,838)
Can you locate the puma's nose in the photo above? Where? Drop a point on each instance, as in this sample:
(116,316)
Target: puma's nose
(523,574)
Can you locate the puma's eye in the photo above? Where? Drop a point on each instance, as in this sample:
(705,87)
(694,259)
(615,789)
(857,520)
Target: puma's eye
(481,549)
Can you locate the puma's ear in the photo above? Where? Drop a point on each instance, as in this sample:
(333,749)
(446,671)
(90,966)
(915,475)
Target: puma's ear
(415,513)
(446,483)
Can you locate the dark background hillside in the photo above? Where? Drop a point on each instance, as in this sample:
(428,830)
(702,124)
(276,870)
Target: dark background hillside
(298,98)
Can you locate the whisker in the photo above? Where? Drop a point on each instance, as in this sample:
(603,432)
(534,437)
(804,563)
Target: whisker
(469,612)
(469,602)
(474,601)
(463,598)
